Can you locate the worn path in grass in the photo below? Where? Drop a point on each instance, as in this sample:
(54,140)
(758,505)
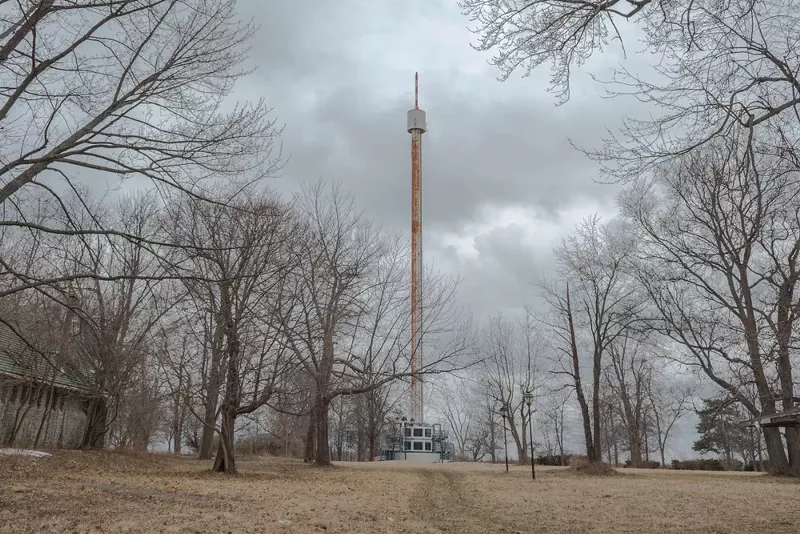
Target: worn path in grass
(107,492)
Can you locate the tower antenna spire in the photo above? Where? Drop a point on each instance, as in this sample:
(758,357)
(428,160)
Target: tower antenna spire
(416,90)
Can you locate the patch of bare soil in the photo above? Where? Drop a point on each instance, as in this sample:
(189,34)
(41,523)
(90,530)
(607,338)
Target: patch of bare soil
(107,492)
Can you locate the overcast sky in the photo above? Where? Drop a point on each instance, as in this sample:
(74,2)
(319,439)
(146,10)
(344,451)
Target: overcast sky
(501,182)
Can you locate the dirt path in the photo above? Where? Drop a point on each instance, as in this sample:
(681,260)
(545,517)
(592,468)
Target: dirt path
(450,502)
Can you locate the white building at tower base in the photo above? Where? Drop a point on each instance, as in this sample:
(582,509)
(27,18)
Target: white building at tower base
(409,441)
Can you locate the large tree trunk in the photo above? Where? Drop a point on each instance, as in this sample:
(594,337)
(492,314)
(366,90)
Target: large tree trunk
(524,457)
(225,461)
(322,455)
(518,441)
(775,452)
(373,448)
(635,442)
(212,390)
(779,464)
(96,427)
(311,436)
(784,329)
(210,417)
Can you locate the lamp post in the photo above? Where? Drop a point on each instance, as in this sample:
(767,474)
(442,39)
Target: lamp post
(528,397)
(504,414)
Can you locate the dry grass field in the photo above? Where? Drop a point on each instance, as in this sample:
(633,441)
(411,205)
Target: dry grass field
(107,492)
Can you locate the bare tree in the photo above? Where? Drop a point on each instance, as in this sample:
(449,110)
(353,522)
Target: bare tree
(348,319)
(669,401)
(510,370)
(457,401)
(629,379)
(554,418)
(117,318)
(592,262)
(114,90)
(720,237)
(245,268)
(174,364)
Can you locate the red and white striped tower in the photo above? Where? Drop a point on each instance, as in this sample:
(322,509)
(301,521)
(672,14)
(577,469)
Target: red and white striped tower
(416,127)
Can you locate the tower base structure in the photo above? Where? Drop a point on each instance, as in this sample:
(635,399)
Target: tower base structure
(407,440)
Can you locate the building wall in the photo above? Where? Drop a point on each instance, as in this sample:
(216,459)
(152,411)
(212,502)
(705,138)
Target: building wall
(427,457)
(63,427)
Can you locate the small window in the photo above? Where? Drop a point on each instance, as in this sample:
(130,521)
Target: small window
(427,445)
(407,445)
(427,432)
(417,432)
(417,445)
(407,432)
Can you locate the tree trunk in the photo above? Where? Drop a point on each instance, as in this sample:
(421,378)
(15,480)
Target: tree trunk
(518,441)
(225,461)
(373,448)
(635,443)
(177,430)
(785,325)
(322,456)
(96,413)
(587,425)
(209,420)
(360,445)
(775,452)
(779,464)
(212,390)
(179,415)
(311,436)
(596,456)
(492,439)
(793,447)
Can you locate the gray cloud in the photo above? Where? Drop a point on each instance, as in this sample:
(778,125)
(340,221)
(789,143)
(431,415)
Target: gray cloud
(502,184)
(341,76)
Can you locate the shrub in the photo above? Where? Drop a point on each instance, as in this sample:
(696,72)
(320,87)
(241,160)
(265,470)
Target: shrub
(698,465)
(582,466)
(650,464)
(553,459)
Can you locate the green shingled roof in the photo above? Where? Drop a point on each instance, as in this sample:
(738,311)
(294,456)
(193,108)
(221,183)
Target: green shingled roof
(23,359)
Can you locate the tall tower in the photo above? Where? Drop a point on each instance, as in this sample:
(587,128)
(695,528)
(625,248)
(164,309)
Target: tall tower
(416,127)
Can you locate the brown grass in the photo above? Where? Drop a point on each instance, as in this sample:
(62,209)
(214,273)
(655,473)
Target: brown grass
(107,492)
